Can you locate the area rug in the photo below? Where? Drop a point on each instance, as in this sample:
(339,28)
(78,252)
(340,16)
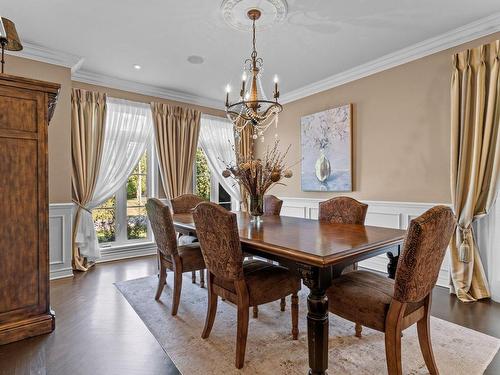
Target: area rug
(270,348)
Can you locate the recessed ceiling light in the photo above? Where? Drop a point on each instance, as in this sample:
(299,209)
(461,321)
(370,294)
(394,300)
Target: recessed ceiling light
(137,67)
(195,59)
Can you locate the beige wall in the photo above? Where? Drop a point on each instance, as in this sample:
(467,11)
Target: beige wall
(59,128)
(401,131)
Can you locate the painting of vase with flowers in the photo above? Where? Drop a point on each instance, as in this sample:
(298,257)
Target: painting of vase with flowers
(326,143)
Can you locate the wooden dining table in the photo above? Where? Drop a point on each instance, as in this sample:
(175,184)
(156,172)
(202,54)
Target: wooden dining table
(318,251)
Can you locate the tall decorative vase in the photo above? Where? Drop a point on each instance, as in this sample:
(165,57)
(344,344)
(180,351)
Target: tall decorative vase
(322,167)
(256,207)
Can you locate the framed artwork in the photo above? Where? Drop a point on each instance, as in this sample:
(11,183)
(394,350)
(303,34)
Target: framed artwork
(326,143)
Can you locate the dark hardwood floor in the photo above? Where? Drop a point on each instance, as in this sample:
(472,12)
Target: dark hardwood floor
(98,332)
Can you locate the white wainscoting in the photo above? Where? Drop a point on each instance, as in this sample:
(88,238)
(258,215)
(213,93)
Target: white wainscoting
(383,214)
(60,226)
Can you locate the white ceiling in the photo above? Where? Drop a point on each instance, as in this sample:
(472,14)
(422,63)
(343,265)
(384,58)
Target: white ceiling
(318,39)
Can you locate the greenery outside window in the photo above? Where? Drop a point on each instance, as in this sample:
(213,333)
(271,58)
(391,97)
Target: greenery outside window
(206,185)
(122,219)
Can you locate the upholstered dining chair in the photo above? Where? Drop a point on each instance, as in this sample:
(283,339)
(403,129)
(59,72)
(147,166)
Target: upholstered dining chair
(344,210)
(390,306)
(245,283)
(184,204)
(272,207)
(183,258)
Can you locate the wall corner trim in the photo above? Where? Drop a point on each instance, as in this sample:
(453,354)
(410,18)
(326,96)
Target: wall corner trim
(37,52)
(144,89)
(477,29)
(474,30)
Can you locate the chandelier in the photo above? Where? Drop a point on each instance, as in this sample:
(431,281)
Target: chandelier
(253,108)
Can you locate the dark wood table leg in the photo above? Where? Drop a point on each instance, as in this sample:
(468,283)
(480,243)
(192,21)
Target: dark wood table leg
(393,263)
(317,280)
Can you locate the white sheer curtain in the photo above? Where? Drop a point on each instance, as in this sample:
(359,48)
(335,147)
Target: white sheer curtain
(217,142)
(129,130)
(487,230)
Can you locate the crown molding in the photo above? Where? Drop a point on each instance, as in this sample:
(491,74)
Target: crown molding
(36,52)
(477,29)
(463,34)
(144,89)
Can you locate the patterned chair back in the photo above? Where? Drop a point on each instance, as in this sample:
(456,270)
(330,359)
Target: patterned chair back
(343,210)
(423,252)
(272,205)
(184,204)
(163,227)
(217,231)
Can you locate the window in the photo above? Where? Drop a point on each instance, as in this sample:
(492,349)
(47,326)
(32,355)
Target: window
(122,219)
(206,185)
(136,190)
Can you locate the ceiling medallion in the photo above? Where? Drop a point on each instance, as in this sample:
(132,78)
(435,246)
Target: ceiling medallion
(234,13)
(253,108)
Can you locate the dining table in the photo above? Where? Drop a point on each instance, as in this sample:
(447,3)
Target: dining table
(318,251)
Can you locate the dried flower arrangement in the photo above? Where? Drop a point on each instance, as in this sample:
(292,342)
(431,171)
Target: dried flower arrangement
(257,176)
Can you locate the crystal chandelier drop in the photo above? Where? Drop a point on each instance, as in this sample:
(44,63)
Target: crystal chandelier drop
(253,107)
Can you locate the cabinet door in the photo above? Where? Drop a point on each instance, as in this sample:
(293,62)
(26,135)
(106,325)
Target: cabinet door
(23,204)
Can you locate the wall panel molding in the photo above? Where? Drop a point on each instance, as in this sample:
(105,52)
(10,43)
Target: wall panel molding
(60,228)
(380,213)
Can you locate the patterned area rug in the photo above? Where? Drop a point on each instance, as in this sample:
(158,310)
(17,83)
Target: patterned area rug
(270,349)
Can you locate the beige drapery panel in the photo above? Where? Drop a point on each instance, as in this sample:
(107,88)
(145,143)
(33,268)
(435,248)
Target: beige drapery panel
(244,145)
(88,113)
(176,136)
(475,159)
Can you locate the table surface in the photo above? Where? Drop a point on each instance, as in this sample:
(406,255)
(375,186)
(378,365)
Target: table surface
(308,241)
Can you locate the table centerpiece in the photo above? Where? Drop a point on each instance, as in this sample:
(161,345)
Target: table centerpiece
(257,176)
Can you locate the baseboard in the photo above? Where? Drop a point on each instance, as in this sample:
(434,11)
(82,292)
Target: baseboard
(61,273)
(380,213)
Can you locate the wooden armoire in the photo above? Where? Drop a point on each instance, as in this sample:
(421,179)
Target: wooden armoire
(26,107)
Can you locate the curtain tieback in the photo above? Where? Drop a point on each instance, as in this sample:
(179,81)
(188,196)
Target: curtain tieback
(82,206)
(465,246)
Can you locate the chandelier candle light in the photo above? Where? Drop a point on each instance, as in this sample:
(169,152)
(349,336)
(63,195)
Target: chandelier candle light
(253,108)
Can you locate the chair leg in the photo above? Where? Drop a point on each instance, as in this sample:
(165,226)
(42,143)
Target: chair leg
(255,312)
(243,304)
(202,278)
(177,289)
(283,304)
(424,338)
(295,316)
(241,335)
(193,277)
(393,323)
(162,280)
(393,352)
(358,328)
(211,310)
